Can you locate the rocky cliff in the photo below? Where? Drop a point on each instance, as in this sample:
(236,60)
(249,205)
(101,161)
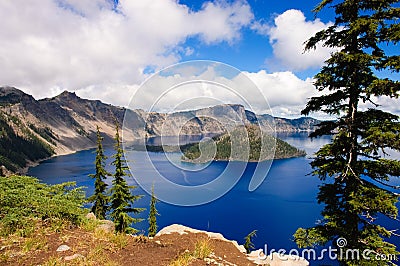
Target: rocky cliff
(67,123)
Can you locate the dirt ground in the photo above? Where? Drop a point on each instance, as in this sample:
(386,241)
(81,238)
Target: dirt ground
(101,248)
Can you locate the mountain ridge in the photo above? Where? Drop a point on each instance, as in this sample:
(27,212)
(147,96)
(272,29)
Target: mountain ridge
(67,123)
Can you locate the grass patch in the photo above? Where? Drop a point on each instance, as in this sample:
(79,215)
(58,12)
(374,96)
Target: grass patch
(5,256)
(102,234)
(202,250)
(120,240)
(34,243)
(98,256)
(54,261)
(90,225)
(183,259)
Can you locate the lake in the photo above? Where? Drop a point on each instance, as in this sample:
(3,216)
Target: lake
(284,201)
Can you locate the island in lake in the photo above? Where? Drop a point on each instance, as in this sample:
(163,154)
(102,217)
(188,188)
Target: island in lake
(244,143)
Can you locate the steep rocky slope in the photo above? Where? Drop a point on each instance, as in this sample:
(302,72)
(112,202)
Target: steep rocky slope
(67,123)
(70,122)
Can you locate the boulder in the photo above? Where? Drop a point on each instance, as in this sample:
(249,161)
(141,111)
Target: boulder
(107,226)
(181,229)
(91,216)
(274,260)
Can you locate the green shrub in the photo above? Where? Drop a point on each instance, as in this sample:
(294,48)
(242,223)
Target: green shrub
(24,201)
(248,245)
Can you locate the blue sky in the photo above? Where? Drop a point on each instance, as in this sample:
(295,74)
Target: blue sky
(105,49)
(252,51)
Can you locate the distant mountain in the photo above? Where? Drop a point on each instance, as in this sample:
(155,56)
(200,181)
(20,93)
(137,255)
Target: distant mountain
(67,123)
(219,119)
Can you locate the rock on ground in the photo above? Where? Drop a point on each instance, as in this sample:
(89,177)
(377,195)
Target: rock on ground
(73,257)
(107,226)
(91,216)
(63,248)
(181,229)
(274,260)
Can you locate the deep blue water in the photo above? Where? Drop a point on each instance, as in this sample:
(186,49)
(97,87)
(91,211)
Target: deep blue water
(284,201)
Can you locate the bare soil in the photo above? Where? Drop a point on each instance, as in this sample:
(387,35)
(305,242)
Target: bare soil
(100,248)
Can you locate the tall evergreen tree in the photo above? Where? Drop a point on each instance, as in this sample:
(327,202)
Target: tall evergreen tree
(356,163)
(153,214)
(121,198)
(99,198)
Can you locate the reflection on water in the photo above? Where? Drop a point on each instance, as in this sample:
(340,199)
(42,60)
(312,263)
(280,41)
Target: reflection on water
(177,140)
(302,141)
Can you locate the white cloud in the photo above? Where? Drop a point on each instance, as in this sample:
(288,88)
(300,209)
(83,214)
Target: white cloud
(287,38)
(87,46)
(385,103)
(195,85)
(189,51)
(286,93)
(47,46)
(260,27)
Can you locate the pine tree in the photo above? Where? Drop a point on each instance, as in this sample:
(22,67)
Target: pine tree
(153,215)
(121,198)
(358,169)
(99,198)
